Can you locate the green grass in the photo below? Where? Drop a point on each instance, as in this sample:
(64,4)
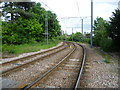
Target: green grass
(25,48)
(107,59)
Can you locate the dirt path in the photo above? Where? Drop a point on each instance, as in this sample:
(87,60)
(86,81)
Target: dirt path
(97,73)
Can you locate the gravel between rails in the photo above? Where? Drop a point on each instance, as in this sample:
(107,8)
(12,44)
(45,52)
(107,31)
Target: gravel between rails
(31,72)
(20,62)
(65,75)
(97,73)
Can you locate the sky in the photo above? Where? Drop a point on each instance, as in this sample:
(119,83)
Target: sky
(79,8)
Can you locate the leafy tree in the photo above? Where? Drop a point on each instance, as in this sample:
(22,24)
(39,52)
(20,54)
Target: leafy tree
(101,35)
(39,13)
(100,31)
(53,25)
(16,9)
(24,5)
(22,31)
(114,29)
(26,23)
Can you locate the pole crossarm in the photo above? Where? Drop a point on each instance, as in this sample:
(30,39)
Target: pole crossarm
(73,27)
(75,17)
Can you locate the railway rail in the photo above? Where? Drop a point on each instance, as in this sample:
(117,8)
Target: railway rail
(67,66)
(81,68)
(65,69)
(22,74)
(10,66)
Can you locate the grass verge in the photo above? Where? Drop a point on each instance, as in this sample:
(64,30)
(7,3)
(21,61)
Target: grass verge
(25,48)
(106,57)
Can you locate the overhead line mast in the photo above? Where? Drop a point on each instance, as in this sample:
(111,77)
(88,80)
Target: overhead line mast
(91,23)
(46,20)
(46,27)
(80,18)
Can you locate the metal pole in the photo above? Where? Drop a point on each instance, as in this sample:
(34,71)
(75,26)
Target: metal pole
(82,29)
(82,26)
(46,27)
(61,35)
(119,5)
(65,35)
(91,23)
(72,34)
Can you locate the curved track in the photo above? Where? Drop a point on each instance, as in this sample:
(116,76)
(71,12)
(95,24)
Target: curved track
(67,72)
(81,68)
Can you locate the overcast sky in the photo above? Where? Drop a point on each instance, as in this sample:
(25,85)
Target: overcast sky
(79,8)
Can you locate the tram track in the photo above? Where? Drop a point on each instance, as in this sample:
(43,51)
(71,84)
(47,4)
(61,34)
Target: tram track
(69,65)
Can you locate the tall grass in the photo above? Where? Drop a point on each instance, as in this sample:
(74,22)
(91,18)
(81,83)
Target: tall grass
(25,48)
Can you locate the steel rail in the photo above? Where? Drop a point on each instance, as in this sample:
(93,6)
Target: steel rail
(22,58)
(35,60)
(49,71)
(81,68)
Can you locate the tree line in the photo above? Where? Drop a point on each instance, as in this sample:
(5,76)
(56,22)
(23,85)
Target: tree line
(107,33)
(24,22)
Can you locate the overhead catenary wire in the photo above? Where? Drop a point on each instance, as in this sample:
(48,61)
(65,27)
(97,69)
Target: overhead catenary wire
(46,20)
(80,17)
(73,17)
(78,8)
(44,3)
(61,18)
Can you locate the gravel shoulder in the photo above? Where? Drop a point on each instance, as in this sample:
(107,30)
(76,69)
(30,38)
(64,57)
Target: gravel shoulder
(97,73)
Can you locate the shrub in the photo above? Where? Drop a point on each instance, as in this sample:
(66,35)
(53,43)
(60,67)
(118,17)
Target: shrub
(86,40)
(106,44)
(21,31)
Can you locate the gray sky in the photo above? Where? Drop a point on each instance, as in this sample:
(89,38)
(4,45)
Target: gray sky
(79,8)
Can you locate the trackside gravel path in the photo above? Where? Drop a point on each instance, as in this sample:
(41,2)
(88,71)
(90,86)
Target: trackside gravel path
(97,73)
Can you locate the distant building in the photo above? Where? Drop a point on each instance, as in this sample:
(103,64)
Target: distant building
(119,5)
(87,35)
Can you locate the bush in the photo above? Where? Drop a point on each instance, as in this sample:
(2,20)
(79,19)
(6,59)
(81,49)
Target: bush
(62,37)
(86,40)
(21,31)
(77,37)
(8,49)
(106,44)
